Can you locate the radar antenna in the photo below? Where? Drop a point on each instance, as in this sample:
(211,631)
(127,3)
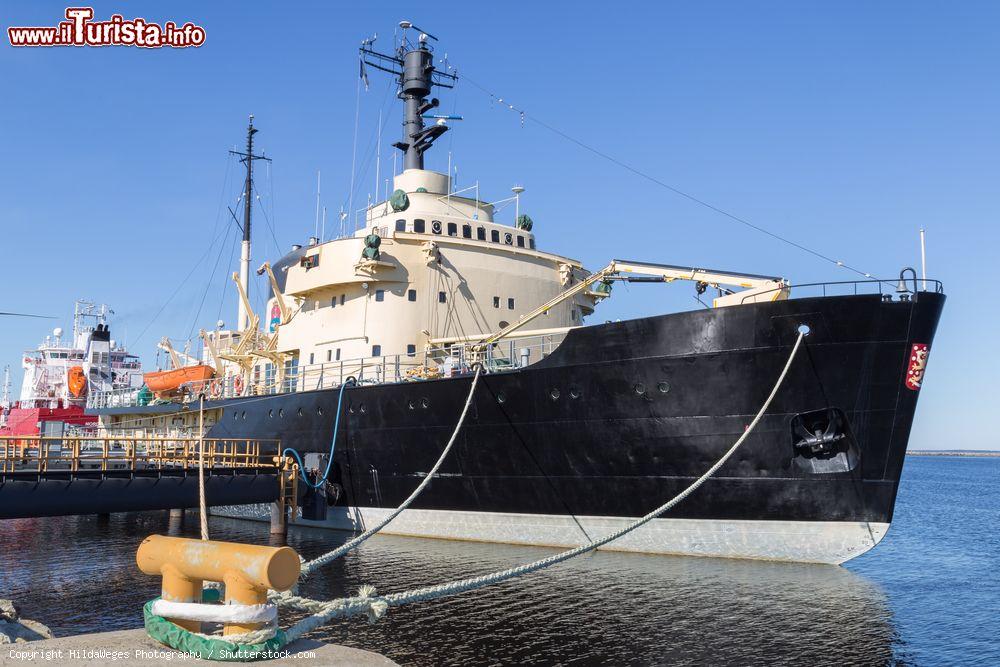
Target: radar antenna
(413,65)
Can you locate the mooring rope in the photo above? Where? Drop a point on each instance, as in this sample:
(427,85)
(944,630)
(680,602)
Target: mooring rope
(375,607)
(310,566)
(202,503)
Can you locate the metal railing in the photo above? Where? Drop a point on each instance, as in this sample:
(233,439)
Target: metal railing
(435,362)
(858,287)
(40,454)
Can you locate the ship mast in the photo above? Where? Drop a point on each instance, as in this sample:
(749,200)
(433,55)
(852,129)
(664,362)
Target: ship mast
(413,64)
(243,317)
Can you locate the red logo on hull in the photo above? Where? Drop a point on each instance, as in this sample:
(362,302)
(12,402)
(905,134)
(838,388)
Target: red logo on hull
(918,363)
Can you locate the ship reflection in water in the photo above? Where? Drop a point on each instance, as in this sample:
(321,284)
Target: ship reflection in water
(77,574)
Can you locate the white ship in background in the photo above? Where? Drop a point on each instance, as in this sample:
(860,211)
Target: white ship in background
(61,372)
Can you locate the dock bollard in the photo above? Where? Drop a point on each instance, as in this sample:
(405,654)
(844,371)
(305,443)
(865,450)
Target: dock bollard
(247,570)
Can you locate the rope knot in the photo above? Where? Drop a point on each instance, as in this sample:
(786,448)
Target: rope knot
(376,607)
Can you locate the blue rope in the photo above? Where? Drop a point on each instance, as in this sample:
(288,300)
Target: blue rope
(333,441)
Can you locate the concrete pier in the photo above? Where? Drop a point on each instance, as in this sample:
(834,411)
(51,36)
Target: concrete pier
(135,647)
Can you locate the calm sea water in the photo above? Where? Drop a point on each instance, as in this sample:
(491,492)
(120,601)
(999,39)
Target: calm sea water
(928,595)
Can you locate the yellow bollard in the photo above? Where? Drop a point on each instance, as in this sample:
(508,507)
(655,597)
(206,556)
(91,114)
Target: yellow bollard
(247,570)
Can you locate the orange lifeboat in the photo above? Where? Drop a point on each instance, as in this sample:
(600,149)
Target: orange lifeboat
(167,381)
(76,380)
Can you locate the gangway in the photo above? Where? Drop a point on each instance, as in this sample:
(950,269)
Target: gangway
(67,475)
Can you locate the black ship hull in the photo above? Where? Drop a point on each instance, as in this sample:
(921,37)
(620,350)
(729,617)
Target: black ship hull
(622,416)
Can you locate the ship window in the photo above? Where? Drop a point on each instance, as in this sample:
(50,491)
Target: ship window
(481,233)
(573,314)
(508,238)
(401,225)
(496,302)
(380,295)
(531,243)
(333,302)
(418,226)
(510,303)
(329,355)
(442,297)
(467,231)
(411,350)
(312,357)
(452,229)
(436,226)
(341,299)
(338,354)
(376,350)
(411,295)
(495,236)
(520,241)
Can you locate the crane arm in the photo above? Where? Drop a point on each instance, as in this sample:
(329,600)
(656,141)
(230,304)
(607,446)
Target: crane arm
(753,288)
(243,297)
(286,313)
(210,344)
(175,356)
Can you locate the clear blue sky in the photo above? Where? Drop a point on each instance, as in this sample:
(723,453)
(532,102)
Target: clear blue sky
(845,126)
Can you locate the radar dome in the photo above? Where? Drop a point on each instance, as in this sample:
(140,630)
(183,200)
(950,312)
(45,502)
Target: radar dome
(57,332)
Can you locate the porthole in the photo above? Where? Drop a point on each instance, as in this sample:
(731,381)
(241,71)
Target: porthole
(664,387)
(424,403)
(243,415)
(350,409)
(319,410)
(574,392)
(554,393)
(436,226)
(508,239)
(299,412)
(236,416)
(501,397)
(804,329)
(639,388)
(363,408)
(270,414)
(281,412)
(411,405)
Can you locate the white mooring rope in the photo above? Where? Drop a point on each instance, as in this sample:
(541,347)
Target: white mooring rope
(375,607)
(202,505)
(308,567)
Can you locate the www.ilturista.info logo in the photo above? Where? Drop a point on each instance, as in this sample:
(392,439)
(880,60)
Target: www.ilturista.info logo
(81,30)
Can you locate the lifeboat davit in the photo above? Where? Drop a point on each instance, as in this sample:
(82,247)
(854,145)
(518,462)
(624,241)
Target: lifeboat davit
(168,381)
(76,380)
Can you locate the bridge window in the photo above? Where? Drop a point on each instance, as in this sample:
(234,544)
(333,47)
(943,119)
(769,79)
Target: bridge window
(341,299)
(452,229)
(401,225)
(510,303)
(376,350)
(418,226)
(436,226)
(531,243)
(380,295)
(508,238)
(496,302)
(311,358)
(520,241)
(333,302)
(338,354)
(480,233)
(466,231)
(442,297)
(411,350)
(411,295)
(329,355)
(495,235)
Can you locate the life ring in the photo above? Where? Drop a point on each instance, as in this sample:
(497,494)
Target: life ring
(214,388)
(238,385)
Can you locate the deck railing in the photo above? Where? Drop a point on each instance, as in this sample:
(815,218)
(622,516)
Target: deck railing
(442,360)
